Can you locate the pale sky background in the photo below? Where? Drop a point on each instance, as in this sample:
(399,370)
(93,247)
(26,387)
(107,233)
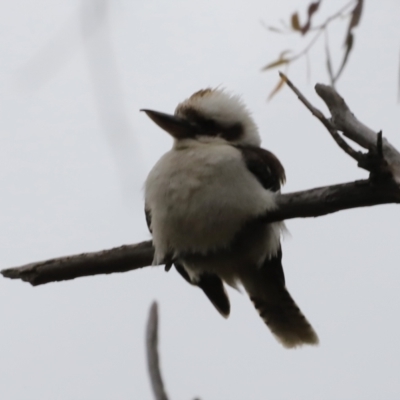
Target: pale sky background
(75,151)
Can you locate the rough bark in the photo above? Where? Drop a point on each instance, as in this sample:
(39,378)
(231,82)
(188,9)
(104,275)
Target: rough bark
(119,259)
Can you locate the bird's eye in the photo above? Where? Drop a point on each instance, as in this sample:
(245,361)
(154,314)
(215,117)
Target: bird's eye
(233,132)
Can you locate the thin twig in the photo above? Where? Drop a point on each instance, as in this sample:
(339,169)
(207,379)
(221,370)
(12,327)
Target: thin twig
(317,30)
(398,82)
(288,30)
(153,361)
(306,48)
(337,15)
(329,58)
(313,110)
(358,156)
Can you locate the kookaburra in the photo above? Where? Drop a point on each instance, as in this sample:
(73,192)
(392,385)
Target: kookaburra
(204,203)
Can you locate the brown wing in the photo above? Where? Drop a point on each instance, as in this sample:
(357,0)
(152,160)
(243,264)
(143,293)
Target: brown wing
(264,165)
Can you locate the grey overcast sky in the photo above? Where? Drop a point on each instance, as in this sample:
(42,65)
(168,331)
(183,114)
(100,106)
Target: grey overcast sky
(75,151)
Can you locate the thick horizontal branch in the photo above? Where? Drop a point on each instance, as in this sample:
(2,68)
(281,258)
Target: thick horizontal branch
(308,203)
(119,259)
(330,199)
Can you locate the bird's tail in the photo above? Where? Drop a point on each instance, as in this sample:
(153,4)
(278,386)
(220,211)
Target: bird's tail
(266,289)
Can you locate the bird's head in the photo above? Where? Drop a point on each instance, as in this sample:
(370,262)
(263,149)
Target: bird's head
(211,113)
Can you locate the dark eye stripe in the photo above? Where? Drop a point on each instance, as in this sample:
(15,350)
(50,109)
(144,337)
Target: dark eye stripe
(209,127)
(234,132)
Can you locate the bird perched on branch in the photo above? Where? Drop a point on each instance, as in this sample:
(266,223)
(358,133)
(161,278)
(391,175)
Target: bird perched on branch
(204,203)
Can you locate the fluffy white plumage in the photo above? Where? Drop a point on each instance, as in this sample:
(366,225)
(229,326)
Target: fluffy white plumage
(203,199)
(201,192)
(226,108)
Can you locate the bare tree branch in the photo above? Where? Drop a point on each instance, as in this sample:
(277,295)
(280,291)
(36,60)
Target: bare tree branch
(344,120)
(326,122)
(381,188)
(119,259)
(153,362)
(307,203)
(330,199)
(382,159)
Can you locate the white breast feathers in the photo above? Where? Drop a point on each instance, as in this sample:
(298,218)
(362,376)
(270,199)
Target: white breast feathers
(200,195)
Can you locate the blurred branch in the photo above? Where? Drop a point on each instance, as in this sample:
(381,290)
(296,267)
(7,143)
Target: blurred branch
(108,93)
(398,82)
(352,9)
(382,161)
(153,362)
(90,28)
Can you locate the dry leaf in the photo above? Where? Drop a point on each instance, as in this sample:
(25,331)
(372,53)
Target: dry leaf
(277,88)
(276,63)
(295,22)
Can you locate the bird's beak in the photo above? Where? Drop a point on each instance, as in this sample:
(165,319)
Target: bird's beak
(177,127)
